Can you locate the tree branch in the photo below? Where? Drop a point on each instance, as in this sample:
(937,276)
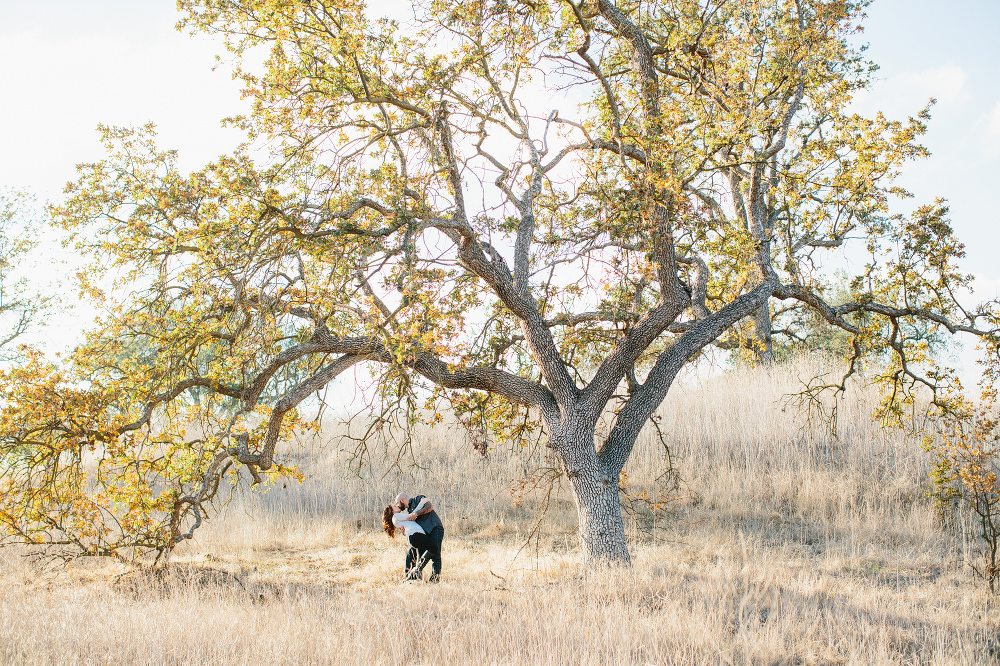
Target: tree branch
(615,450)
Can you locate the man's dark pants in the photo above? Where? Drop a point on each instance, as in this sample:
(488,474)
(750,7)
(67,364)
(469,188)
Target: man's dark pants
(424,547)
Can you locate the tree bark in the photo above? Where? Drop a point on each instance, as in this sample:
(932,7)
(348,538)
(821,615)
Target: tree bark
(764,344)
(602,531)
(595,489)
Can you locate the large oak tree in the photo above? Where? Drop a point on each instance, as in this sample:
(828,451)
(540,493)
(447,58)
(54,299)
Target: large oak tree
(520,208)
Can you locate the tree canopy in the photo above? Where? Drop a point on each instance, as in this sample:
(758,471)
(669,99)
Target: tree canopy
(528,211)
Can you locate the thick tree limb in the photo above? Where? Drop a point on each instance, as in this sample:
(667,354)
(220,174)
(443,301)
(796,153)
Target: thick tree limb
(642,62)
(290,400)
(615,450)
(835,314)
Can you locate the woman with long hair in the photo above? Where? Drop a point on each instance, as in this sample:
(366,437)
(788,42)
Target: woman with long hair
(395,518)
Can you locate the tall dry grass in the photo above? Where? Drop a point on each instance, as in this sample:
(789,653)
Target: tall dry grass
(782,545)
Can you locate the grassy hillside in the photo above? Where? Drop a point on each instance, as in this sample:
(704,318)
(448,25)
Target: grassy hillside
(781,545)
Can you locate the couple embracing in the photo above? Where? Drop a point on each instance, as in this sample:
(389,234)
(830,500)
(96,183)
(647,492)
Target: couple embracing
(424,533)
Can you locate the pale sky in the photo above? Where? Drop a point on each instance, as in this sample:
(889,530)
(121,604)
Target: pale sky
(67,65)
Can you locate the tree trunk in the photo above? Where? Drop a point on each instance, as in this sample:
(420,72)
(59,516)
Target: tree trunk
(602,532)
(763,347)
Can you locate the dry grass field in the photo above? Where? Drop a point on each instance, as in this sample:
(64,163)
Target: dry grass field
(782,546)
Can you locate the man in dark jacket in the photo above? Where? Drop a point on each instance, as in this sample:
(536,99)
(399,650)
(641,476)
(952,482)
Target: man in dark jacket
(428,519)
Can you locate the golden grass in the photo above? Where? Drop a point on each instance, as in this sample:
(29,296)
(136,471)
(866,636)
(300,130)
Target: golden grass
(785,547)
